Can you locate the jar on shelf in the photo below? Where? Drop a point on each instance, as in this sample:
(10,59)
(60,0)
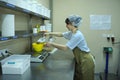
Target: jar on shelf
(38,28)
(34,30)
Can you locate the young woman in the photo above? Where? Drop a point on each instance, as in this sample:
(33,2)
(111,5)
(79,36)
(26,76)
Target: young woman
(84,64)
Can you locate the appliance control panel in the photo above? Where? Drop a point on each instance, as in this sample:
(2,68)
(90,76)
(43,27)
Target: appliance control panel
(41,57)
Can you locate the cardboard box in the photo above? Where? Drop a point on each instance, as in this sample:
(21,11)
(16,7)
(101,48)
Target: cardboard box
(15,64)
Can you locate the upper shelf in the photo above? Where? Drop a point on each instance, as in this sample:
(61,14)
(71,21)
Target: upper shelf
(23,10)
(26,35)
(17,8)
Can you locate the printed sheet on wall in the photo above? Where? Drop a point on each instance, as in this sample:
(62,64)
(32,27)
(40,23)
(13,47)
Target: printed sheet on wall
(100,22)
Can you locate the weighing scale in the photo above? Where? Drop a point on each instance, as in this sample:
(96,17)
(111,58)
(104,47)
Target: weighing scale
(106,75)
(40,57)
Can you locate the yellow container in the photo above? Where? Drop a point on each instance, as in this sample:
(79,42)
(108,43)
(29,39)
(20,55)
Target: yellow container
(37,47)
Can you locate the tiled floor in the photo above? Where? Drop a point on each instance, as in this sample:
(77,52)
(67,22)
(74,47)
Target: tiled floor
(97,77)
(109,76)
(101,76)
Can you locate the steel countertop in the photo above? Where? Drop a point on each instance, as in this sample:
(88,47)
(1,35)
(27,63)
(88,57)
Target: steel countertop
(56,67)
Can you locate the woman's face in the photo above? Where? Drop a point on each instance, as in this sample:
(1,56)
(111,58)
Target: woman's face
(69,26)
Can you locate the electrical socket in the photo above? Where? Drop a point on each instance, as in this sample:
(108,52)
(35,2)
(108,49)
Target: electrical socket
(3,52)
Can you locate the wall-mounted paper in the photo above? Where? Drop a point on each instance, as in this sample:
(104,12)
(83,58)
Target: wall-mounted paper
(8,25)
(100,22)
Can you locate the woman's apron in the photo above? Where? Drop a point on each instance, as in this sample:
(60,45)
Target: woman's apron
(84,65)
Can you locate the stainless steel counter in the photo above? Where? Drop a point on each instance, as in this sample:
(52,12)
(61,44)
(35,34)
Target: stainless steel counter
(58,66)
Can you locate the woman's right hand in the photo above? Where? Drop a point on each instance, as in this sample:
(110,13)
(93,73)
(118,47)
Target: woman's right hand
(48,44)
(46,34)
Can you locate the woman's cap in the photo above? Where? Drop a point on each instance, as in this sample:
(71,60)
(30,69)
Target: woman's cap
(75,20)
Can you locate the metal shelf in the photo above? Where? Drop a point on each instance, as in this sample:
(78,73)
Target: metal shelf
(21,34)
(26,35)
(16,8)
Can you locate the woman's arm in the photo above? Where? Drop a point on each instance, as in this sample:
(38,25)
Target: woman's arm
(59,46)
(57,34)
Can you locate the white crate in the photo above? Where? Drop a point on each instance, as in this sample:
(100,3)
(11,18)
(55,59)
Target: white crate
(15,64)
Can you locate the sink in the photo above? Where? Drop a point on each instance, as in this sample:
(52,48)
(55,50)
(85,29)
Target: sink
(60,60)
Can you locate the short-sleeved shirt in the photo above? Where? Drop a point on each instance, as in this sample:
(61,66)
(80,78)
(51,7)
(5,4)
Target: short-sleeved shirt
(76,40)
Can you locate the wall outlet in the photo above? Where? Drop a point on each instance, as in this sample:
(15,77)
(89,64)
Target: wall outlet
(3,52)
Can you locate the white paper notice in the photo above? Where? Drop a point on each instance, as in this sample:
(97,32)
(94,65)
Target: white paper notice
(8,25)
(100,22)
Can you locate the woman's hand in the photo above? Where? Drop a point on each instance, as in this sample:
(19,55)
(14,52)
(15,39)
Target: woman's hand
(48,44)
(57,34)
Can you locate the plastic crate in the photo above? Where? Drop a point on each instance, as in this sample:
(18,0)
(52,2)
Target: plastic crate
(15,64)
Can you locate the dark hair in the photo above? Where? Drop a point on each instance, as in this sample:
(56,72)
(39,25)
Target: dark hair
(67,21)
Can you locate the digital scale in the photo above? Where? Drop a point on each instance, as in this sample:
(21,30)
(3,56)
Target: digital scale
(40,58)
(106,75)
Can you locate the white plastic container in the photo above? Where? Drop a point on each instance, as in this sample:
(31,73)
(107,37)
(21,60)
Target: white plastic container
(42,28)
(35,30)
(48,27)
(15,64)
